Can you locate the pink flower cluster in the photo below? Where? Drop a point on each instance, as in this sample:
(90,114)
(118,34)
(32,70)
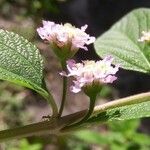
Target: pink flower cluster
(69,39)
(90,72)
(66,34)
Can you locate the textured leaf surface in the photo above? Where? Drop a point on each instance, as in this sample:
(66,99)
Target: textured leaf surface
(133,111)
(121,41)
(20,61)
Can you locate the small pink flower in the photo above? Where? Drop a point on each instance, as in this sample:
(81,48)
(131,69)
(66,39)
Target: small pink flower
(90,72)
(145,37)
(63,35)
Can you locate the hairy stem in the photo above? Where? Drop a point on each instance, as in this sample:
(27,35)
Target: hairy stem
(56,126)
(64,90)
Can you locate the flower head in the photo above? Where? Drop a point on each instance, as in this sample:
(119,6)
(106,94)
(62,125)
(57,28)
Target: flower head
(65,36)
(91,73)
(145,37)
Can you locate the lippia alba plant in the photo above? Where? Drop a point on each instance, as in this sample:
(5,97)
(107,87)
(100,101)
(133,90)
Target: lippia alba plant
(125,45)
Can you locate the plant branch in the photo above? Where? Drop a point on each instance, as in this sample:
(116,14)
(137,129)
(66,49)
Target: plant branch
(41,128)
(87,115)
(64,90)
(55,126)
(135,99)
(54,106)
(50,99)
(52,103)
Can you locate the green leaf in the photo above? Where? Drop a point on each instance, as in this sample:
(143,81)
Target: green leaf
(20,62)
(132,111)
(121,41)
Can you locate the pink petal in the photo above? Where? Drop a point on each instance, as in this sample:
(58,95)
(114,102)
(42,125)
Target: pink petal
(83,28)
(63,73)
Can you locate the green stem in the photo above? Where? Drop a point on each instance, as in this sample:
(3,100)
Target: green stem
(54,106)
(49,97)
(63,63)
(57,126)
(87,116)
(134,99)
(90,111)
(51,101)
(130,100)
(52,126)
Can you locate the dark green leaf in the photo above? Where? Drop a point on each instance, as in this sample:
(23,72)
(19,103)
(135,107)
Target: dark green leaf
(20,62)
